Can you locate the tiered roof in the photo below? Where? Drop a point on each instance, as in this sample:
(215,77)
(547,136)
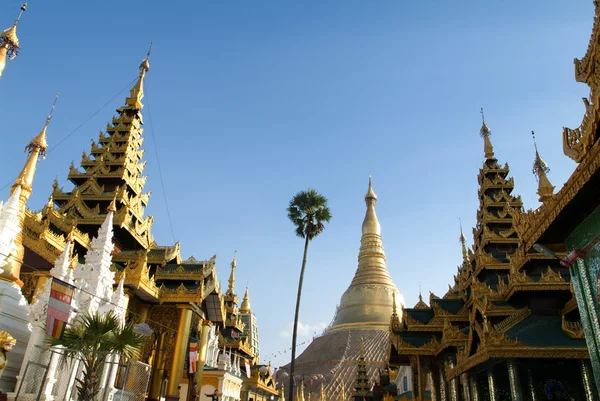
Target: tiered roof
(232,336)
(362,386)
(112,173)
(503,303)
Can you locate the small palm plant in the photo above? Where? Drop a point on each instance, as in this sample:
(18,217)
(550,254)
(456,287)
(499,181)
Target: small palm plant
(92,339)
(308,211)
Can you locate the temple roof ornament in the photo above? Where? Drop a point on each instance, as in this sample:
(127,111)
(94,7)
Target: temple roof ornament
(463,243)
(137,92)
(245,307)
(540,170)
(37,150)
(9,42)
(371,223)
(485,133)
(231,288)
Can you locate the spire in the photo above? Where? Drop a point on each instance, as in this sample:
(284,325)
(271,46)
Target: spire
(113,166)
(231,289)
(485,133)
(62,264)
(137,92)
(37,149)
(9,42)
(322,393)
(367,301)
(371,224)
(463,243)
(245,307)
(540,170)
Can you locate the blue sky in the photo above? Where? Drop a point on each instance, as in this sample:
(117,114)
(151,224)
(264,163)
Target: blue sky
(251,102)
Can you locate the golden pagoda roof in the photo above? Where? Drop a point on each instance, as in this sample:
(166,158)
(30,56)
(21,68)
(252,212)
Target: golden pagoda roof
(245,307)
(368,301)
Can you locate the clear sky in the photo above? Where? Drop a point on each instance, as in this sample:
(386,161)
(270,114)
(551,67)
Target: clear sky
(252,101)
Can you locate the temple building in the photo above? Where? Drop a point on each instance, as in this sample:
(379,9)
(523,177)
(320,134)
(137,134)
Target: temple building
(363,317)
(509,326)
(177,300)
(521,318)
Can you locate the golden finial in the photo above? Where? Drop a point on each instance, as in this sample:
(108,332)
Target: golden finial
(370,193)
(70,236)
(463,242)
(9,42)
(485,133)
(539,165)
(112,207)
(137,92)
(39,141)
(540,169)
(230,290)
(245,306)
(362,347)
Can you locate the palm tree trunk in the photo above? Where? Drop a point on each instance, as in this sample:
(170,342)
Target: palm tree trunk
(295,333)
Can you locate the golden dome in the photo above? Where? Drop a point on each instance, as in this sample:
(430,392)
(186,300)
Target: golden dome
(368,301)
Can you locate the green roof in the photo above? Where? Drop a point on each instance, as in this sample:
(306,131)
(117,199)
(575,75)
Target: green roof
(421,315)
(187,267)
(451,305)
(418,339)
(543,331)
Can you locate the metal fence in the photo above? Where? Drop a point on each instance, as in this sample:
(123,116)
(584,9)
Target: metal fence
(50,375)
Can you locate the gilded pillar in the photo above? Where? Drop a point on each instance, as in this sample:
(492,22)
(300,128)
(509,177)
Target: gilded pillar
(143,312)
(158,368)
(464,379)
(181,346)
(41,279)
(474,387)
(531,386)
(588,380)
(443,391)
(434,380)
(206,324)
(454,396)
(422,378)
(514,381)
(492,385)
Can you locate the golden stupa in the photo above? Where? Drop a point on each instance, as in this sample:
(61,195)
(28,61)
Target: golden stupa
(329,363)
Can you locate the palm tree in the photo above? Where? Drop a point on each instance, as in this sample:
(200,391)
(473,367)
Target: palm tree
(308,211)
(92,339)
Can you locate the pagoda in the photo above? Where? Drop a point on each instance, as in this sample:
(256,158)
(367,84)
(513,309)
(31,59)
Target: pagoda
(362,387)
(176,298)
(508,327)
(364,313)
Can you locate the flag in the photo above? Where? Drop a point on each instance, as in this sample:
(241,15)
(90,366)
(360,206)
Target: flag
(247,368)
(59,307)
(193,354)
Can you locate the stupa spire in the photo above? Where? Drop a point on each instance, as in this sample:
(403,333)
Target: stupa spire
(463,243)
(24,182)
(367,301)
(137,92)
(371,223)
(245,307)
(37,149)
(231,289)
(9,42)
(485,133)
(540,170)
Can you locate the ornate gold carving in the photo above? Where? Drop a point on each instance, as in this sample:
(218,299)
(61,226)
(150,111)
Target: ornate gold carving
(573,329)
(180,294)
